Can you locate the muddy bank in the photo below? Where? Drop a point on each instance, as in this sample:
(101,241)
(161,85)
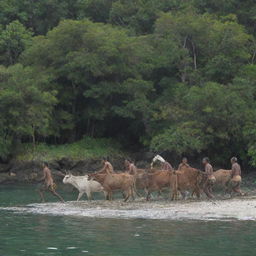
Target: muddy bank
(232,209)
(29,172)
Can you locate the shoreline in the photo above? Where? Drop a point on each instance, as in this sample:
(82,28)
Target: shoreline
(204,210)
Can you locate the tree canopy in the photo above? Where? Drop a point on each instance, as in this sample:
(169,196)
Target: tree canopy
(175,76)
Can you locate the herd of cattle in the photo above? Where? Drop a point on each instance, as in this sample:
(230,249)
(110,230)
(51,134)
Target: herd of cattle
(179,182)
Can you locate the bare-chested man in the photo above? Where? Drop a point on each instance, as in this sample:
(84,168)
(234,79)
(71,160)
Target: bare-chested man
(210,178)
(167,166)
(183,164)
(107,167)
(236,176)
(48,184)
(130,167)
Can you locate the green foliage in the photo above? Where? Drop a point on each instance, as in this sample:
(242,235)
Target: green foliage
(212,117)
(14,39)
(206,48)
(98,71)
(169,75)
(26,107)
(87,148)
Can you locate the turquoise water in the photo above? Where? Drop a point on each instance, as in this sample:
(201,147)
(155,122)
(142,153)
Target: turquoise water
(32,234)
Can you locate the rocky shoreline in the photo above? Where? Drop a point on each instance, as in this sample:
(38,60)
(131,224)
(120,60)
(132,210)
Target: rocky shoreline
(31,171)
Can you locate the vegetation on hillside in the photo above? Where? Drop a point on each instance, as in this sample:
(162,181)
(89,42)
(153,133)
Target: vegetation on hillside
(166,75)
(87,148)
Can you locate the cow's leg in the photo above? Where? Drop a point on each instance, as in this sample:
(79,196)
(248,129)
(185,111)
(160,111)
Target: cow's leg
(110,196)
(197,191)
(159,193)
(127,196)
(89,195)
(227,189)
(123,194)
(174,195)
(80,195)
(108,193)
(105,194)
(133,193)
(148,195)
(183,194)
(128,193)
(146,191)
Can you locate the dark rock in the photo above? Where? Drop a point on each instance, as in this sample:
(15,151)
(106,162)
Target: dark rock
(31,171)
(5,167)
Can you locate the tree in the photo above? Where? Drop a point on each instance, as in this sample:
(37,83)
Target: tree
(210,121)
(98,71)
(209,49)
(13,41)
(26,106)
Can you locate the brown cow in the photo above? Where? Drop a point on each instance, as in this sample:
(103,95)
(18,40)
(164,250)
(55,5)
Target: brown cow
(223,178)
(187,179)
(141,180)
(118,181)
(158,180)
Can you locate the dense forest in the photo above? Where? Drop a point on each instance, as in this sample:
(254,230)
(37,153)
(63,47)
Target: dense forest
(164,75)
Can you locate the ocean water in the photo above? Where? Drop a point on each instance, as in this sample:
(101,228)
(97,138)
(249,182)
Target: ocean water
(28,228)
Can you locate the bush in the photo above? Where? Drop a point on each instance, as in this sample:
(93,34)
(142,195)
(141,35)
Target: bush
(87,148)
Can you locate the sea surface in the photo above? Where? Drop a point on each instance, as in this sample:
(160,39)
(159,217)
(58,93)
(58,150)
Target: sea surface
(35,232)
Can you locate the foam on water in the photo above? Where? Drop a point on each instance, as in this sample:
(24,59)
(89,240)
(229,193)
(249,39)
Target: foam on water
(235,209)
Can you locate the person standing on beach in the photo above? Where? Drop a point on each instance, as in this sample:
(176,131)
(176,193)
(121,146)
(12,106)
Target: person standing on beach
(236,178)
(183,164)
(130,167)
(107,167)
(210,178)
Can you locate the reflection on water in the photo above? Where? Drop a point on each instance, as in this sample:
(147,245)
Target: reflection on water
(25,235)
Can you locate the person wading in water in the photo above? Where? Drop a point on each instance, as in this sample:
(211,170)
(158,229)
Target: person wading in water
(210,178)
(48,184)
(183,164)
(236,176)
(107,167)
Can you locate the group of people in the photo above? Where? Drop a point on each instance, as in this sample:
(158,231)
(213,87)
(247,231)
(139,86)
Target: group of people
(235,176)
(48,184)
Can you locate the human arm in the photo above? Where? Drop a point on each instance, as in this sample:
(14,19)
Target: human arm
(44,176)
(102,170)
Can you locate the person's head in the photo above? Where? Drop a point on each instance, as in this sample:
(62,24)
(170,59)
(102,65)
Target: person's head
(205,160)
(184,160)
(104,160)
(45,164)
(233,160)
(126,162)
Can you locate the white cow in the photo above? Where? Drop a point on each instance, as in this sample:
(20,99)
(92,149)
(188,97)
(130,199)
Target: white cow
(83,185)
(157,158)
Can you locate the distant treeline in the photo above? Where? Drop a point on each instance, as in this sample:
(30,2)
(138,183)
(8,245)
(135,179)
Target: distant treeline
(166,75)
